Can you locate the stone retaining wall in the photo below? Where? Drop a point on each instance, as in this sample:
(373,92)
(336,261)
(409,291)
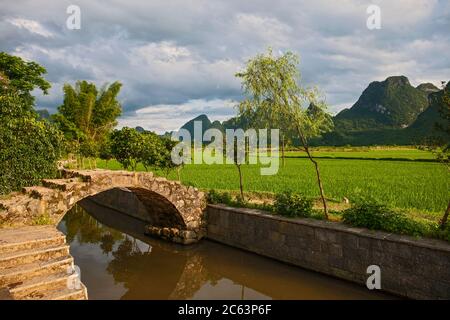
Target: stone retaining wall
(413,268)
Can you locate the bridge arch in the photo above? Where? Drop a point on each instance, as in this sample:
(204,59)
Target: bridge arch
(174,212)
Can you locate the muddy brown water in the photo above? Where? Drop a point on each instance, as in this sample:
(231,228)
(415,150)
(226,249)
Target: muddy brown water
(117,261)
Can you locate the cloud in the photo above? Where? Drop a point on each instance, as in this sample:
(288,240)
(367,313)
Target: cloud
(182,56)
(32,26)
(169,117)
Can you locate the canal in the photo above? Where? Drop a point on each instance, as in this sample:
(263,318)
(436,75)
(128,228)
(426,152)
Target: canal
(118,261)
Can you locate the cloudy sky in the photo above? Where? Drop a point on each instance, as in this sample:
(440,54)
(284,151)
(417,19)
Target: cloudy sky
(177,59)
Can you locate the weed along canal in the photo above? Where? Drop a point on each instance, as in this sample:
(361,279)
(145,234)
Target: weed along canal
(117,261)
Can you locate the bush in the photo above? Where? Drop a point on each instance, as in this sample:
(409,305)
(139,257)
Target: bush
(293,205)
(29,148)
(377,216)
(215,197)
(443,234)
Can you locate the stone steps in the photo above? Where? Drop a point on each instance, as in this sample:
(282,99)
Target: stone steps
(35,263)
(38,192)
(59,184)
(21,257)
(39,285)
(13,276)
(84,176)
(65,294)
(32,237)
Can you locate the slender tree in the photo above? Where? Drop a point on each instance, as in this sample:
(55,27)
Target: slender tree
(275,97)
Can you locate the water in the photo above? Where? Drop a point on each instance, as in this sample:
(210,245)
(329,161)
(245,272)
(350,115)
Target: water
(118,262)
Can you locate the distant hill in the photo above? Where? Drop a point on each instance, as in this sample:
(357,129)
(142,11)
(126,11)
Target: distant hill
(389,104)
(389,112)
(205,122)
(425,125)
(427,88)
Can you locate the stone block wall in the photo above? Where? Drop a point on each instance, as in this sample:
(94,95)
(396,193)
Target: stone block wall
(410,267)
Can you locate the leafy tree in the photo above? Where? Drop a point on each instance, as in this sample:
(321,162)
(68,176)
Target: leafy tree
(22,77)
(274,97)
(88,115)
(105,151)
(165,159)
(151,154)
(128,147)
(157,153)
(29,148)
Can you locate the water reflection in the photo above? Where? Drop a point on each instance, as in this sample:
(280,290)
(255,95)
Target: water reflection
(118,261)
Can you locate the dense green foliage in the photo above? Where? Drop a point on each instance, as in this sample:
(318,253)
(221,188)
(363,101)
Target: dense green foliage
(87,116)
(291,204)
(22,77)
(131,147)
(373,215)
(29,148)
(127,146)
(376,216)
(215,197)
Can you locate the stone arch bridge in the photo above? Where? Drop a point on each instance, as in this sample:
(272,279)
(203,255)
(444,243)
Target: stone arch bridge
(173,211)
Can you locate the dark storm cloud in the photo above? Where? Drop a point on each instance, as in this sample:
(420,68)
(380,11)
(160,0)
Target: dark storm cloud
(179,58)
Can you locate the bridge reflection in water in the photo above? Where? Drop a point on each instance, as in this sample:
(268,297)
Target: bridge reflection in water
(118,261)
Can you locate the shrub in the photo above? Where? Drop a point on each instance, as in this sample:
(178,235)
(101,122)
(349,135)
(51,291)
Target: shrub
(377,216)
(215,197)
(42,220)
(293,205)
(29,148)
(443,234)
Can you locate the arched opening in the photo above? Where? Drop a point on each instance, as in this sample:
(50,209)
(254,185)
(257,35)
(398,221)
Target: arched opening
(143,204)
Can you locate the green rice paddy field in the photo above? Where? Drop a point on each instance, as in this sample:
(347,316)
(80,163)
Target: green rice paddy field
(402,178)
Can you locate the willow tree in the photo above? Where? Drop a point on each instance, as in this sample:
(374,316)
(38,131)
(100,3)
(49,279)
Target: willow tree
(275,98)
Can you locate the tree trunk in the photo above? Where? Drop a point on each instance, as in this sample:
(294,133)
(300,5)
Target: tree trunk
(240,183)
(444,219)
(282,151)
(178,173)
(316,166)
